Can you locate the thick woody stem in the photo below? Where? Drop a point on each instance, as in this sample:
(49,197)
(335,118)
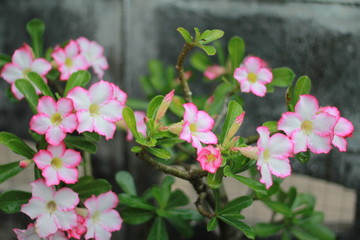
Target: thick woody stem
(179,67)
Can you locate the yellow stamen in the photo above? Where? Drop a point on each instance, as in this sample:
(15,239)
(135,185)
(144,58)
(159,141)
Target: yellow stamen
(252,77)
(94,110)
(51,206)
(56,163)
(307,127)
(56,119)
(193,127)
(68,62)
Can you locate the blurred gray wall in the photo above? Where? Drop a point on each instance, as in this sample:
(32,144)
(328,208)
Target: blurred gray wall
(320,39)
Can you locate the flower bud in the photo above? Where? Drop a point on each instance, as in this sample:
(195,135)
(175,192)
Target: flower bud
(234,127)
(164,105)
(25,163)
(249,151)
(213,72)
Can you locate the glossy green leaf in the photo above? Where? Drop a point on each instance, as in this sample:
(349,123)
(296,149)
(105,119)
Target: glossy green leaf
(272,125)
(246,229)
(236,205)
(81,143)
(214,180)
(92,136)
(153,106)
(87,186)
(134,202)
(36,29)
(126,182)
(28,90)
(80,78)
(302,235)
(184,214)
(209,50)
(185,34)
(136,149)
(282,77)
(162,193)
(234,110)
(212,224)
(304,201)
(40,83)
(129,118)
(183,227)
(135,216)
(236,49)
(151,142)
(4,59)
(319,231)
(303,157)
(9,170)
(210,35)
(302,86)
(267,229)
(16,144)
(177,199)
(11,201)
(160,153)
(278,207)
(158,230)
(197,34)
(200,61)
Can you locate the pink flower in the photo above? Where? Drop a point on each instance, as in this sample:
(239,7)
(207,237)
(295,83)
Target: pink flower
(54,119)
(214,71)
(253,75)
(342,130)
(93,54)
(79,230)
(102,219)
(52,210)
(273,155)
(58,163)
(23,62)
(140,125)
(197,127)
(307,128)
(69,59)
(209,158)
(97,109)
(31,234)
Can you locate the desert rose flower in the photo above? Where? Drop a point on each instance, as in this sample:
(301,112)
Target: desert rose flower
(54,119)
(253,75)
(94,55)
(342,130)
(273,155)
(102,219)
(197,127)
(79,229)
(31,234)
(307,127)
(214,71)
(52,210)
(23,61)
(210,158)
(69,60)
(58,163)
(97,109)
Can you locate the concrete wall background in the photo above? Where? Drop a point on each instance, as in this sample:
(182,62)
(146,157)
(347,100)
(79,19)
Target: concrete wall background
(318,38)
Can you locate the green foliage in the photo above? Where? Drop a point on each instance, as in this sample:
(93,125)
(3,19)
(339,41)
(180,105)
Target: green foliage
(4,59)
(282,77)
(303,157)
(88,186)
(272,125)
(16,144)
(28,90)
(126,182)
(130,121)
(81,143)
(77,79)
(40,83)
(236,50)
(9,170)
(36,29)
(158,230)
(214,180)
(234,110)
(11,201)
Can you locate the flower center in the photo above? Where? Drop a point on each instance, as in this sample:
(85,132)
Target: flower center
(56,163)
(266,154)
(25,72)
(68,62)
(307,127)
(211,158)
(94,110)
(56,119)
(252,77)
(96,216)
(193,127)
(51,206)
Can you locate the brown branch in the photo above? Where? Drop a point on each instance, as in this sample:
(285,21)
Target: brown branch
(179,67)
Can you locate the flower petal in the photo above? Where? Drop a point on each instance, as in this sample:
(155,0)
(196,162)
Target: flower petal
(344,127)
(299,140)
(108,200)
(280,146)
(71,158)
(111,110)
(111,220)
(66,220)
(204,122)
(258,89)
(42,159)
(279,167)
(41,66)
(22,58)
(45,225)
(55,135)
(69,123)
(66,199)
(68,175)
(85,122)
(41,190)
(51,176)
(104,127)
(65,106)
(266,177)
(47,105)
(252,64)
(100,92)
(323,124)
(307,106)
(40,123)
(191,112)
(80,98)
(340,143)
(263,140)
(185,133)
(34,208)
(264,76)
(319,144)
(289,122)
(11,72)
(206,137)
(101,233)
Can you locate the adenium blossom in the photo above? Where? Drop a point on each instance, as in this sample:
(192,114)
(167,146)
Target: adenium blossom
(273,155)
(343,128)
(54,119)
(23,62)
(93,54)
(102,219)
(52,210)
(210,158)
(69,60)
(58,163)
(96,109)
(214,71)
(253,75)
(197,127)
(307,127)
(164,105)
(79,229)
(31,234)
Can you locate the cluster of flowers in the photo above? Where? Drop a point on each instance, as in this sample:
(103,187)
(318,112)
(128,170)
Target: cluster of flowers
(95,110)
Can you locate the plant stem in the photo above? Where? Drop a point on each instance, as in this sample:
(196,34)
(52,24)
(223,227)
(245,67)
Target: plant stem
(179,67)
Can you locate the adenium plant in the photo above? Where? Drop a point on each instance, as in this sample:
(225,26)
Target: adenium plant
(183,135)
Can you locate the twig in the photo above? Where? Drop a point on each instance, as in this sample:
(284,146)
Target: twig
(179,67)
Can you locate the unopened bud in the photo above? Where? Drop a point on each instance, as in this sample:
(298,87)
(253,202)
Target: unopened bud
(234,127)
(249,151)
(25,163)
(176,127)
(164,105)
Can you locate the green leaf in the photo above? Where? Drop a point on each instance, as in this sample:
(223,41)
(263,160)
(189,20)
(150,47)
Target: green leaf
(177,198)
(126,182)
(251,183)
(160,153)
(246,229)
(278,207)
(137,104)
(92,136)
(153,106)
(185,34)
(4,59)
(151,142)
(80,78)
(236,205)
(214,180)
(176,106)
(219,96)
(129,118)
(134,202)
(200,61)
(183,227)
(162,193)
(136,216)
(158,230)
(282,77)
(81,143)
(302,235)
(40,83)
(236,49)
(36,29)
(197,34)
(209,50)
(234,110)
(11,201)
(319,231)
(9,170)
(136,149)
(267,229)
(272,125)
(212,224)
(28,90)
(302,86)
(303,157)
(16,144)
(210,35)
(87,186)
(184,214)
(306,201)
